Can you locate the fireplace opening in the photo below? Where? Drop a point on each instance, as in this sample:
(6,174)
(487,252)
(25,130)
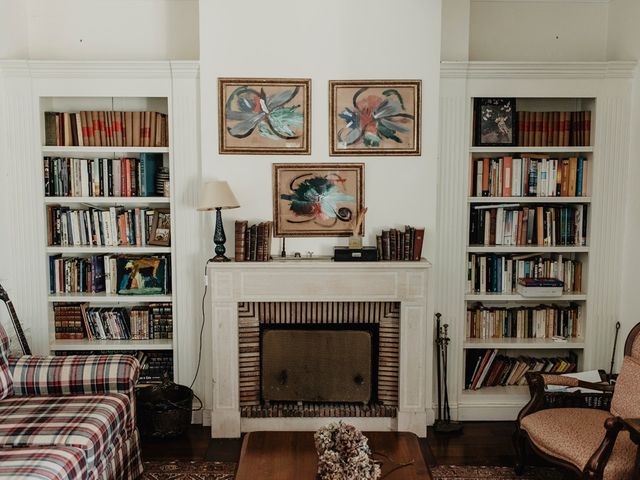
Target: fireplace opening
(319,359)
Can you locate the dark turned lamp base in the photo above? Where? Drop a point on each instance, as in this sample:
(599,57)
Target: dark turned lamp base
(219,239)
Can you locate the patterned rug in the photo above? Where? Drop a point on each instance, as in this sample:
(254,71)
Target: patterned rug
(201,470)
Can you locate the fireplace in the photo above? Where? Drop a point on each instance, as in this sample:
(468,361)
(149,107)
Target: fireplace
(316,359)
(384,303)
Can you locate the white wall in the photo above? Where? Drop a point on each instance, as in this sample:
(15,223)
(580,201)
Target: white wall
(624,44)
(456,17)
(325,40)
(14,42)
(530,30)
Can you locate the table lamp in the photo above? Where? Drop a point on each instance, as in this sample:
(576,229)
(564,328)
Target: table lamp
(217,195)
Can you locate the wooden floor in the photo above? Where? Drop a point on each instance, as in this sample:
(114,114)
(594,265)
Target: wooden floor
(481,443)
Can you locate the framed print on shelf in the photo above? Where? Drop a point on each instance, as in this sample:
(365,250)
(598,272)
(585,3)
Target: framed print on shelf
(264,116)
(160,228)
(495,122)
(374,117)
(317,200)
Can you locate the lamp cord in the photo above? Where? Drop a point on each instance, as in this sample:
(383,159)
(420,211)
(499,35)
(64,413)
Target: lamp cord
(204,296)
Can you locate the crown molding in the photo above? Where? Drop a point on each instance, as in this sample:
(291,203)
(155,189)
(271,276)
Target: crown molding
(536,70)
(185,69)
(14,68)
(101,69)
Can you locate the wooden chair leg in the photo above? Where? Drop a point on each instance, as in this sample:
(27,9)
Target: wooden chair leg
(520,444)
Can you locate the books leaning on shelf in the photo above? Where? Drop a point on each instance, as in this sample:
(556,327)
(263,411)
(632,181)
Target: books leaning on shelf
(540,287)
(253,243)
(493,273)
(106,129)
(530,177)
(396,244)
(535,225)
(542,321)
(110,227)
(486,368)
(67,321)
(113,274)
(102,177)
(561,129)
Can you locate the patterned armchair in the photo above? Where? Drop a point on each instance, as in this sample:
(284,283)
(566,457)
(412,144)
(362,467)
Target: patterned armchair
(590,442)
(68,418)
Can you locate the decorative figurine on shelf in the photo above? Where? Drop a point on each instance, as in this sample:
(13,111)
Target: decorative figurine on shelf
(217,195)
(443,423)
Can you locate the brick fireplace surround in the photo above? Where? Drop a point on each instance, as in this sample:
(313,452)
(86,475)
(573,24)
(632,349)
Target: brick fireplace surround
(234,284)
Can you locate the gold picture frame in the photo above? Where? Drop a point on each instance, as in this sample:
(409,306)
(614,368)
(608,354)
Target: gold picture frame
(375,117)
(317,199)
(264,116)
(160,228)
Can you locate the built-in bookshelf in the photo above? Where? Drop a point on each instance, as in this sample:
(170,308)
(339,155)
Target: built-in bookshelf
(528,215)
(107,196)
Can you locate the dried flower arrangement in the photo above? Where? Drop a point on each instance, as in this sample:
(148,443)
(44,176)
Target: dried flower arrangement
(344,454)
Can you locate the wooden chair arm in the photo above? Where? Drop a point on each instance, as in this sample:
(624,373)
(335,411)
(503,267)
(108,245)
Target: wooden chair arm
(536,389)
(600,457)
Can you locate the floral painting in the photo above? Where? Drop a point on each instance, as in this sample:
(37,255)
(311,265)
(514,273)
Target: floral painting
(495,121)
(314,200)
(374,117)
(264,116)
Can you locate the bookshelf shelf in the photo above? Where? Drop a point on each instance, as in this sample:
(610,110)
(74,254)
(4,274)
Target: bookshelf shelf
(513,200)
(516,394)
(506,297)
(524,249)
(523,343)
(567,150)
(117,201)
(47,150)
(103,298)
(115,250)
(88,345)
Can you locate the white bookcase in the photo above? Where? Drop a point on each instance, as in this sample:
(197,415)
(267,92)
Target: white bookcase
(602,88)
(70,103)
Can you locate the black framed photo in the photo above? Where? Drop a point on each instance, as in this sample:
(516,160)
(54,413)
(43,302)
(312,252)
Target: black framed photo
(495,122)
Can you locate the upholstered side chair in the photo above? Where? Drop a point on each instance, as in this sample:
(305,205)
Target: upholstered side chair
(592,443)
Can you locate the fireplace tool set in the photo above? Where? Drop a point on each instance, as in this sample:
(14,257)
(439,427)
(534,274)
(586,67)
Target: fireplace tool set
(443,423)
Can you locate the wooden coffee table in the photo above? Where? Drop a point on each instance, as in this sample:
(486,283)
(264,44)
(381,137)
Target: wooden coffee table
(292,456)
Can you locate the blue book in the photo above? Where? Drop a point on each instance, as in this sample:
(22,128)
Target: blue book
(149,164)
(579,175)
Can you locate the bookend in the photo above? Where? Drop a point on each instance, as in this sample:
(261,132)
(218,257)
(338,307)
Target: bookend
(443,423)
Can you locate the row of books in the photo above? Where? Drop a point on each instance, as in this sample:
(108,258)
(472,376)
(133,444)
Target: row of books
(541,321)
(154,321)
(535,225)
(113,274)
(103,177)
(253,242)
(486,368)
(530,177)
(557,129)
(500,273)
(153,364)
(110,227)
(396,244)
(67,321)
(106,129)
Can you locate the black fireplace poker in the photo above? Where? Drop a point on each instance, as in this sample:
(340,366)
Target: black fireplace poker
(443,423)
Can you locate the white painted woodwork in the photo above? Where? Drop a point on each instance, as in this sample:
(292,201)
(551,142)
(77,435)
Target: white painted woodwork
(608,84)
(319,280)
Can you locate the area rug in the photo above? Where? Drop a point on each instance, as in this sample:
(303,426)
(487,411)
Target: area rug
(202,470)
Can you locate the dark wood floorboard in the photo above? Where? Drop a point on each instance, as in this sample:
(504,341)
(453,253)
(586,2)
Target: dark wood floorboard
(481,443)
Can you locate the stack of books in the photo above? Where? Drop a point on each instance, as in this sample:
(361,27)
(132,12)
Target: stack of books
(485,368)
(253,243)
(540,287)
(396,244)
(106,323)
(106,129)
(557,129)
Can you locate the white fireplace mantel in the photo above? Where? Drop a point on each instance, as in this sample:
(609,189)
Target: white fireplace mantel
(320,280)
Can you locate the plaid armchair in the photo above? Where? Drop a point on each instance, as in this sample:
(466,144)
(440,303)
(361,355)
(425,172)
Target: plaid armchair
(68,417)
(590,442)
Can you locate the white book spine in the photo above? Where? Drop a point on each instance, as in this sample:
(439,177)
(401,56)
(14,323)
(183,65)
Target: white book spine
(114,227)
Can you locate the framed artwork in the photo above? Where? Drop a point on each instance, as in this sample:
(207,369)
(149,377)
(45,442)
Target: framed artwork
(495,122)
(317,200)
(374,117)
(160,228)
(141,276)
(263,116)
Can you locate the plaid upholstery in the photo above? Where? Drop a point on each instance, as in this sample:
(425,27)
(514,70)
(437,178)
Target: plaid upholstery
(4,342)
(49,463)
(123,463)
(93,423)
(75,374)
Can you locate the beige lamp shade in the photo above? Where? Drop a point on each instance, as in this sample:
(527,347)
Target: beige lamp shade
(217,194)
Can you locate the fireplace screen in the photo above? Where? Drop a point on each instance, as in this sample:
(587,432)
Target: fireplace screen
(316,365)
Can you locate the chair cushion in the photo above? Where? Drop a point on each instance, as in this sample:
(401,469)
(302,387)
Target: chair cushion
(574,434)
(625,396)
(46,463)
(93,423)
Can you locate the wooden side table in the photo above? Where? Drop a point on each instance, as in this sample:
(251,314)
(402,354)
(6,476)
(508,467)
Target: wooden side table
(292,456)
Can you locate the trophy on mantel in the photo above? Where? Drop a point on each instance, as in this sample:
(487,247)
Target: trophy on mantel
(443,423)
